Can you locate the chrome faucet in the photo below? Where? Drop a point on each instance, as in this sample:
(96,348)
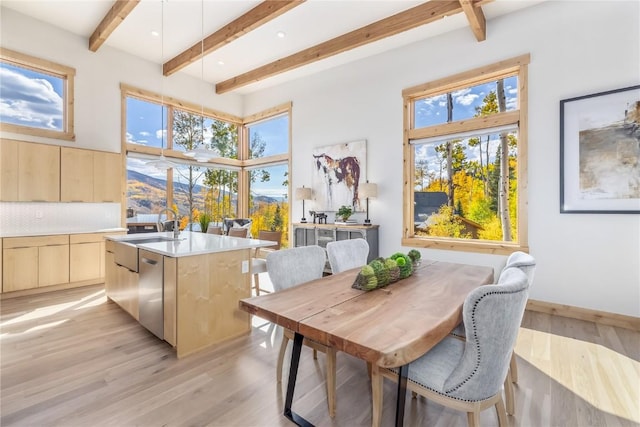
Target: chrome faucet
(176,228)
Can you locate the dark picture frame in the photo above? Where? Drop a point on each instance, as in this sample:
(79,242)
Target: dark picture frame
(600,152)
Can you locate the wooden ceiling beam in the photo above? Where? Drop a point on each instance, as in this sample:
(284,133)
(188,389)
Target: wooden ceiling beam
(118,12)
(420,15)
(476,19)
(259,15)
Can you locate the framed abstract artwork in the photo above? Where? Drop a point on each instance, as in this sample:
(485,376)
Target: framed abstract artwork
(338,171)
(600,152)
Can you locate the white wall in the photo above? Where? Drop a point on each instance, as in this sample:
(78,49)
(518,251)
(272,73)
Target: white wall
(98,78)
(576,48)
(97,114)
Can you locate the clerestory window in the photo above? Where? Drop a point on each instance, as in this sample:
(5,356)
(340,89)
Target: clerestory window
(36,96)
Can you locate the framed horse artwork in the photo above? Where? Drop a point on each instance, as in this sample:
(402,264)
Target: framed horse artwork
(338,171)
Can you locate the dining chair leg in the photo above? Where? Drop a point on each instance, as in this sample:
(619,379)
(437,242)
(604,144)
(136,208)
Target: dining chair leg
(509,394)
(331,381)
(513,368)
(315,354)
(256,284)
(502,414)
(283,349)
(376,396)
(473,418)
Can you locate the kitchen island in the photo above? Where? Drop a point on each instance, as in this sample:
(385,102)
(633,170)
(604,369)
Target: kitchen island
(185,290)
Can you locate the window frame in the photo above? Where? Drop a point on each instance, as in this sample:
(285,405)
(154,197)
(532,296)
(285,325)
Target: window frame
(242,164)
(65,73)
(517,66)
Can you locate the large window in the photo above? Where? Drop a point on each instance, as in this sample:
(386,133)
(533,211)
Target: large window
(267,171)
(246,177)
(465,160)
(36,96)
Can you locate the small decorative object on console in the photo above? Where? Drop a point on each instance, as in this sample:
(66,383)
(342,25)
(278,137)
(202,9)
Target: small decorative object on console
(320,216)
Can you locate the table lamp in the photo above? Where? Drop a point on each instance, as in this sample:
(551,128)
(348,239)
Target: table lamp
(368,191)
(303,194)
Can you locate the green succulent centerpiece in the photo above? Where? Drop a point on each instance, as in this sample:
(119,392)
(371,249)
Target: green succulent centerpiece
(380,272)
(345,212)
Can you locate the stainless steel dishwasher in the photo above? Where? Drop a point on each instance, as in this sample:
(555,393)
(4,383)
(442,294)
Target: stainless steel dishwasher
(151,292)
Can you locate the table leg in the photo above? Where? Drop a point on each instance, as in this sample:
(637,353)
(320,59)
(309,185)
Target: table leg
(402,391)
(293,373)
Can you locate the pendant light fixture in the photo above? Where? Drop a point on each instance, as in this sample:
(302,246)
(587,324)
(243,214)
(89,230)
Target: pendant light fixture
(162,163)
(202,153)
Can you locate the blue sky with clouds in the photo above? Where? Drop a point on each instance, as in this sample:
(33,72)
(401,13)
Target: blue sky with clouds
(28,98)
(433,111)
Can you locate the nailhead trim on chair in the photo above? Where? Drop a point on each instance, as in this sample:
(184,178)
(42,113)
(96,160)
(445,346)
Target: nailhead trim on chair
(475,336)
(395,370)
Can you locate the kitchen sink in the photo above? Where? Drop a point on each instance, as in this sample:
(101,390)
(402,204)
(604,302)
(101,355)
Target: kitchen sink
(126,251)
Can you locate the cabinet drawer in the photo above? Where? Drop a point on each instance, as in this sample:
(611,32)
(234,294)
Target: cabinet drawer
(26,242)
(86,238)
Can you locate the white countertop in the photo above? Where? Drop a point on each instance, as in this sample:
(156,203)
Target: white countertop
(58,233)
(190,243)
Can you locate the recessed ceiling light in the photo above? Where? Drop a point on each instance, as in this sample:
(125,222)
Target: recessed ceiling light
(281,34)
(220,62)
(155,33)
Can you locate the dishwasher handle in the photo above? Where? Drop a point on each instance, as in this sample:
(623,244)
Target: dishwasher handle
(148,261)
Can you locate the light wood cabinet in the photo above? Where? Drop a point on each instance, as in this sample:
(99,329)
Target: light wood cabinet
(76,175)
(120,283)
(90,176)
(20,269)
(86,257)
(30,172)
(53,265)
(107,177)
(8,170)
(126,294)
(31,262)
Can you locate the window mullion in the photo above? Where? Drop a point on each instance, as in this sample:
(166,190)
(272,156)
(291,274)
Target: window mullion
(468,125)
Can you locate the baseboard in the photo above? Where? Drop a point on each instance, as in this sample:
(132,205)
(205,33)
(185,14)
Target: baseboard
(45,289)
(602,317)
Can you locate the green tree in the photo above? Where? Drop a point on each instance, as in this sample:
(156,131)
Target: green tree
(188,133)
(224,139)
(503,188)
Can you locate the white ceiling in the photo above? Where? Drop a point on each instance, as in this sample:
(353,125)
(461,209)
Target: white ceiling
(182,23)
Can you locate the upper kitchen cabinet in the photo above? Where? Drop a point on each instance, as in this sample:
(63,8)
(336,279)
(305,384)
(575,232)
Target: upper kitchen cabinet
(30,172)
(107,177)
(76,175)
(90,176)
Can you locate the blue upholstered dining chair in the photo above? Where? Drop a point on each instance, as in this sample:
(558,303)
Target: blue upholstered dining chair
(527,264)
(347,254)
(468,375)
(291,267)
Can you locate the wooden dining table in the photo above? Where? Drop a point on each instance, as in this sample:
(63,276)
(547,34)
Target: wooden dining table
(388,327)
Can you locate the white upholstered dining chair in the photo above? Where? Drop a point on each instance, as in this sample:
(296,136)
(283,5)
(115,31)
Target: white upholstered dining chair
(527,264)
(468,375)
(291,267)
(347,254)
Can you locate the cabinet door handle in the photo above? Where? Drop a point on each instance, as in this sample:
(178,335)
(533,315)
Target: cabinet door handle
(149,261)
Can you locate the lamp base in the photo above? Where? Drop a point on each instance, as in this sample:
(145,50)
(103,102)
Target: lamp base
(367,222)
(303,220)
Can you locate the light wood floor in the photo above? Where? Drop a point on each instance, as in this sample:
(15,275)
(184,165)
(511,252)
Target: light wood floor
(72,358)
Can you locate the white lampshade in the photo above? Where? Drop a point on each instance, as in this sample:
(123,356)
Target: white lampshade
(303,193)
(368,190)
(201,154)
